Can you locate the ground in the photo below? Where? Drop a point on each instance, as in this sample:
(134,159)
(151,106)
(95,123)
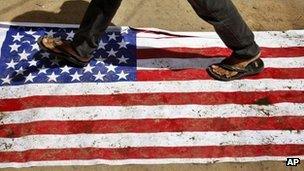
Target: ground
(170,15)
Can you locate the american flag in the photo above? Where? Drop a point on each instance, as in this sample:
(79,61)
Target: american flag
(145,98)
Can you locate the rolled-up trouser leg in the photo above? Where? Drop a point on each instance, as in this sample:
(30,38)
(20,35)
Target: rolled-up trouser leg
(96,20)
(229,25)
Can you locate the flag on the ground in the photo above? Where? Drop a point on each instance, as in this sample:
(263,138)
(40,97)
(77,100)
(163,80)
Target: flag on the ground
(146,98)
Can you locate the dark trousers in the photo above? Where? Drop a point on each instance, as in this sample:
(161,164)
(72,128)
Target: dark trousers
(222,14)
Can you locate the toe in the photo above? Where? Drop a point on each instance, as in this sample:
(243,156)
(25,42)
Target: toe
(214,67)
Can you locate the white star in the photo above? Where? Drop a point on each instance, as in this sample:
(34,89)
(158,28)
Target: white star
(88,68)
(29,78)
(45,55)
(43,70)
(14,47)
(102,45)
(124,30)
(36,37)
(123,44)
(32,62)
(6,80)
(75,76)
(20,71)
(11,64)
(50,33)
(99,76)
(23,55)
(53,77)
(122,59)
(31,32)
(35,47)
(65,69)
(70,35)
(55,61)
(17,37)
(111,68)
(112,36)
(122,75)
(112,53)
(100,60)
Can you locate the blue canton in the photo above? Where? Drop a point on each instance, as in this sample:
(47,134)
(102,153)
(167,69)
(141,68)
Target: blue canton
(22,61)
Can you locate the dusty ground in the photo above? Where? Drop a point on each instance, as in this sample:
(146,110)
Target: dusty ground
(259,14)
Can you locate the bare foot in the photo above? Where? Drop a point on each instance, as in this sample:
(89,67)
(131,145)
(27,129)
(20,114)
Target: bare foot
(53,44)
(64,49)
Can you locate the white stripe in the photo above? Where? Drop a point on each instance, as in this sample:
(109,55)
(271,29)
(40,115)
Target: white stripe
(163,139)
(275,39)
(152,87)
(150,33)
(183,63)
(152,112)
(146,161)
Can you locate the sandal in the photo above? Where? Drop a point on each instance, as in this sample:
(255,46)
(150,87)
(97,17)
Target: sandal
(63,51)
(252,68)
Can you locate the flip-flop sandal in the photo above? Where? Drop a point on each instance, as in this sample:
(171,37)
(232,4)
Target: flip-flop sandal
(252,68)
(63,54)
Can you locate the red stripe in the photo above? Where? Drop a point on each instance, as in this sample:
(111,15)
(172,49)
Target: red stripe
(201,74)
(181,52)
(152,153)
(151,125)
(207,98)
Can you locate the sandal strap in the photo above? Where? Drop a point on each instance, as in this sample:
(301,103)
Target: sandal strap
(232,68)
(71,52)
(66,50)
